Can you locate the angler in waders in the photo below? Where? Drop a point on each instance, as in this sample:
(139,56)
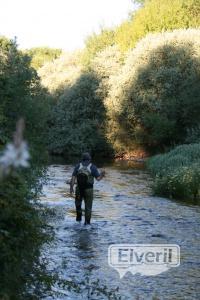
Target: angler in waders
(84,173)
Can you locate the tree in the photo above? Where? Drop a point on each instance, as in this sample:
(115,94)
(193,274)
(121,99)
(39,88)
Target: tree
(77,122)
(22,224)
(157,16)
(155,98)
(61,73)
(96,43)
(21,95)
(41,55)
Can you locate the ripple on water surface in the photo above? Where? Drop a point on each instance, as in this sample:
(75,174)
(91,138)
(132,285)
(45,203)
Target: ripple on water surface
(123,212)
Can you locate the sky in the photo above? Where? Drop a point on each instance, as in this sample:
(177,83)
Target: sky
(59,23)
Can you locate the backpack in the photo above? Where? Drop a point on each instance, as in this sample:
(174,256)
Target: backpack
(84,176)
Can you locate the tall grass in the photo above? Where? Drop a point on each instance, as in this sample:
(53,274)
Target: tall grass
(177,173)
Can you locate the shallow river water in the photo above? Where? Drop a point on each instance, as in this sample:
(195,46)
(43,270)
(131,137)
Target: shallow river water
(123,212)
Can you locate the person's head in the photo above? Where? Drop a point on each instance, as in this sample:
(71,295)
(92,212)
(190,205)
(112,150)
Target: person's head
(86,156)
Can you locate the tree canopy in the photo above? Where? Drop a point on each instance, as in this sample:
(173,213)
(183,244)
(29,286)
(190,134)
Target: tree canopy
(41,55)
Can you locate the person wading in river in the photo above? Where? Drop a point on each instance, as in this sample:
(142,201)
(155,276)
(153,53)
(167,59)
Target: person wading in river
(84,173)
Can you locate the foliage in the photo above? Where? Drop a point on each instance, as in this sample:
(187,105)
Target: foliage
(21,95)
(78,116)
(22,234)
(106,64)
(61,73)
(193,135)
(155,98)
(150,81)
(177,173)
(157,16)
(23,227)
(97,43)
(42,55)
(78,119)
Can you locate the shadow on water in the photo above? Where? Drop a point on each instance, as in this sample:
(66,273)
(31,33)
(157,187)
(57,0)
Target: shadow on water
(123,212)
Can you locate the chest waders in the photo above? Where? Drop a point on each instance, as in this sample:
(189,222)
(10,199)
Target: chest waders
(84,190)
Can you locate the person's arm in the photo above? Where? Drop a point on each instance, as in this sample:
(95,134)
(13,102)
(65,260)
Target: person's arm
(102,174)
(72,182)
(73,179)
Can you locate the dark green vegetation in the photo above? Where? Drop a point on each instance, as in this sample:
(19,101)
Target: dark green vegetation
(124,91)
(21,95)
(23,233)
(177,173)
(132,87)
(23,229)
(78,119)
(149,100)
(107,100)
(157,98)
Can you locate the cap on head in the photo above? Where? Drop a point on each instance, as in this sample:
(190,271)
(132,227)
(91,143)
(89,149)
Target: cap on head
(86,156)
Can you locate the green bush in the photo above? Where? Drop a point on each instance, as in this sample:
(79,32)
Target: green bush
(157,16)
(193,135)
(21,95)
(177,173)
(42,55)
(154,16)
(78,114)
(154,100)
(23,232)
(182,183)
(61,73)
(77,122)
(23,229)
(96,43)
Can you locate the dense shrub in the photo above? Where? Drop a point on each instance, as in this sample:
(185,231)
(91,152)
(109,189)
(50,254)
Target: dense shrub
(106,64)
(77,122)
(193,135)
(23,232)
(95,44)
(61,73)
(152,97)
(152,16)
(78,115)
(157,16)
(155,98)
(42,55)
(177,173)
(21,95)
(22,223)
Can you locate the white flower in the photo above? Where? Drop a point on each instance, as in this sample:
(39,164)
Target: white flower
(15,156)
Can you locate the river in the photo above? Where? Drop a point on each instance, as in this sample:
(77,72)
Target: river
(124,211)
